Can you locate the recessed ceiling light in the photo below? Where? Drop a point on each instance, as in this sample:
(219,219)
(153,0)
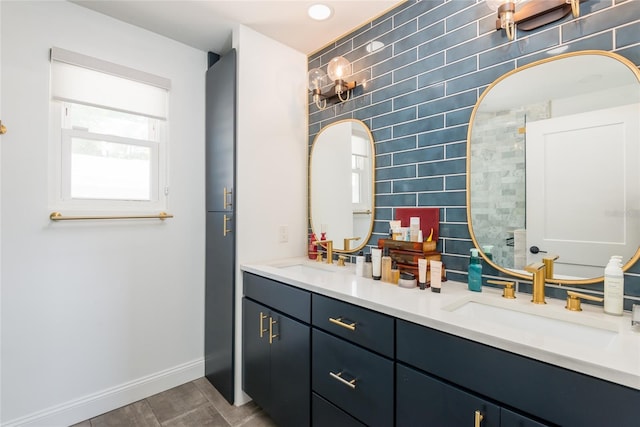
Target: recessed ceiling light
(319,12)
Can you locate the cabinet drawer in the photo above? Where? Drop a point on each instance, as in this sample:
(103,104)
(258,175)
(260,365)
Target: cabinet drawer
(352,378)
(367,328)
(325,414)
(511,419)
(284,298)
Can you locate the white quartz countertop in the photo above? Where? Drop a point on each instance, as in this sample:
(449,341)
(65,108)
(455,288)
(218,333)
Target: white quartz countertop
(593,343)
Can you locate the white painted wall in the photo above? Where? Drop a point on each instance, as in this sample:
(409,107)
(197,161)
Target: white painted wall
(0,214)
(95,314)
(272,157)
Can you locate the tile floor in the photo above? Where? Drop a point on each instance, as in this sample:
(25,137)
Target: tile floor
(194,404)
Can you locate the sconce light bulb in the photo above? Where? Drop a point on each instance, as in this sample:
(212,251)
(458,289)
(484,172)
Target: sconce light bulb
(339,68)
(317,79)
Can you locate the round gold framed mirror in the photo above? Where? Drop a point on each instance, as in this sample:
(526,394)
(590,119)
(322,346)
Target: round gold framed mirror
(553,160)
(341,184)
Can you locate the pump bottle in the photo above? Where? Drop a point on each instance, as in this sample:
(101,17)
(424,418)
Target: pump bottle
(475,272)
(614,287)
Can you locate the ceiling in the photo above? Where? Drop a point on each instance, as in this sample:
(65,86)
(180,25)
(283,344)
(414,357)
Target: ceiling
(207,24)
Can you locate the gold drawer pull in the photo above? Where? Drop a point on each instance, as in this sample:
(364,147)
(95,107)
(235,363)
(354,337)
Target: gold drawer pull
(338,377)
(271,335)
(478,419)
(226,194)
(339,322)
(262,328)
(225,230)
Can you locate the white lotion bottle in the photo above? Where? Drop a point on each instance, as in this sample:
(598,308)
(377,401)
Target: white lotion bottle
(360,265)
(614,287)
(376,261)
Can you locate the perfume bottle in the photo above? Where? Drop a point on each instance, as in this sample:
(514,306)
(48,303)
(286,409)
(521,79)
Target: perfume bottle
(313,249)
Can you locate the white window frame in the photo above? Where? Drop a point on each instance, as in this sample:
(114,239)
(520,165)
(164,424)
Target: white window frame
(66,144)
(61,135)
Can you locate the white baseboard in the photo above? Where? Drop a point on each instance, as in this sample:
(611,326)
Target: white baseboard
(89,406)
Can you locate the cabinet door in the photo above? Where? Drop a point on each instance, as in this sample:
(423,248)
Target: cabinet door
(220,132)
(290,371)
(219,306)
(425,401)
(256,364)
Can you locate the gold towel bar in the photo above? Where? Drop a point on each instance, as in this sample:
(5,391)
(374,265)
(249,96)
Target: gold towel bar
(57,216)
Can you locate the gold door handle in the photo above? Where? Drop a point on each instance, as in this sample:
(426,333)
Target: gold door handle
(338,376)
(339,322)
(225,230)
(478,419)
(262,328)
(271,335)
(226,195)
(3,128)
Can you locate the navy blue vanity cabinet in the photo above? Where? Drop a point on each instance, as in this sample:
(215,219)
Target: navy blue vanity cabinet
(352,367)
(276,349)
(529,392)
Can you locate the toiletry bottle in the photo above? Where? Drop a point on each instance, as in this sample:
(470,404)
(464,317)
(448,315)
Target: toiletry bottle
(488,251)
(386,266)
(313,249)
(475,272)
(376,258)
(360,265)
(613,287)
(422,273)
(368,267)
(395,273)
(436,275)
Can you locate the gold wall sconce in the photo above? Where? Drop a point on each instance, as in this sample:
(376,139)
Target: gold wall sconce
(531,14)
(338,71)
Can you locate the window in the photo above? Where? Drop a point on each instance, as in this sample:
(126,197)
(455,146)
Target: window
(360,158)
(109,135)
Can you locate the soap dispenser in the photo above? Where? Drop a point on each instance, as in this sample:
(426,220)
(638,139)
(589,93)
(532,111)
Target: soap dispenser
(614,287)
(475,272)
(488,251)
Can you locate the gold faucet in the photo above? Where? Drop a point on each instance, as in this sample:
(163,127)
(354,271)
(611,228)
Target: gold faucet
(548,264)
(347,242)
(538,269)
(328,245)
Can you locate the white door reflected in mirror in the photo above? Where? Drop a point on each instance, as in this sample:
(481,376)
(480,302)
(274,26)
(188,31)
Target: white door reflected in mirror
(553,161)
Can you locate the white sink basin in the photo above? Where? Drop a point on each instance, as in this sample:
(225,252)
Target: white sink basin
(308,268)
(543,320)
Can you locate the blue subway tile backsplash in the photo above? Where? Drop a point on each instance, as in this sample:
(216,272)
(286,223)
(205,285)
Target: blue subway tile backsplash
(627,35)
(438,58)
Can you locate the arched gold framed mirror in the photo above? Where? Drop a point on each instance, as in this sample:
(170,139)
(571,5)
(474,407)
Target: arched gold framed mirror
(553,166)
(341,184)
